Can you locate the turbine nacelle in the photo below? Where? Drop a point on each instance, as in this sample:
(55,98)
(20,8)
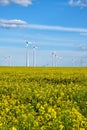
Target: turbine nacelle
(27,43)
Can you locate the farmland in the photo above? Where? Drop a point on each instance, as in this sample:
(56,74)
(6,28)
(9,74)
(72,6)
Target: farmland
(43,98)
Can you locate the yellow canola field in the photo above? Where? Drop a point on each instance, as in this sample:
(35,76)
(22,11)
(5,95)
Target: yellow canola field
(43,98)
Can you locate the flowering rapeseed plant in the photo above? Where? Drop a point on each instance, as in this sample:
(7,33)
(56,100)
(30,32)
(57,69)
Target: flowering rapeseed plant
(43,98)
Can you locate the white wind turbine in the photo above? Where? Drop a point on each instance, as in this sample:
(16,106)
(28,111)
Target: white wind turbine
(27,52)
(84,49)
(73,62)
(8,59)
(53,58)
(59,58)
(34,53)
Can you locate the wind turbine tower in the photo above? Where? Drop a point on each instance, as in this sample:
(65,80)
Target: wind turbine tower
(8,59)
(52,59)
(34,55)
(27,53)
(59,59)
(55,56)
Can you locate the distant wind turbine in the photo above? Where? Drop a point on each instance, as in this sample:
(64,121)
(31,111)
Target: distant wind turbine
(59,58)
(27,55)
(54,57)
(34,53)
(8,59)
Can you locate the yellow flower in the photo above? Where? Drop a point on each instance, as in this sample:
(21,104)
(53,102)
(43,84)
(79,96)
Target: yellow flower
(61,127)
(82,129)
(52,112)
(42,109)
(13,128)
(0,125)
(35,123)
(7,109)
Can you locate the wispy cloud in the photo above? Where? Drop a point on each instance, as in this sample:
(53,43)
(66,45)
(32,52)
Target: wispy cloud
(81,3)
(15,23)
(4,23)
(56,28)
(18,2)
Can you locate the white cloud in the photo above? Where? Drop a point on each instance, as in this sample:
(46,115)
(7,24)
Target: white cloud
(4,2)
(15,23)
(57,28)
(4,23)
(81,3)
(19,2)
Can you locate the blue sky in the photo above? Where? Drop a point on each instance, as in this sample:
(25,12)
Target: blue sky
(57,27)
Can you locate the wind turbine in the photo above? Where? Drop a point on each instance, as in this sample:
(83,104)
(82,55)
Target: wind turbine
(34,54)
(27,56)
(54,58)
(53,55)
(8,58)
(59,58)
(83,47)
(73,62)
